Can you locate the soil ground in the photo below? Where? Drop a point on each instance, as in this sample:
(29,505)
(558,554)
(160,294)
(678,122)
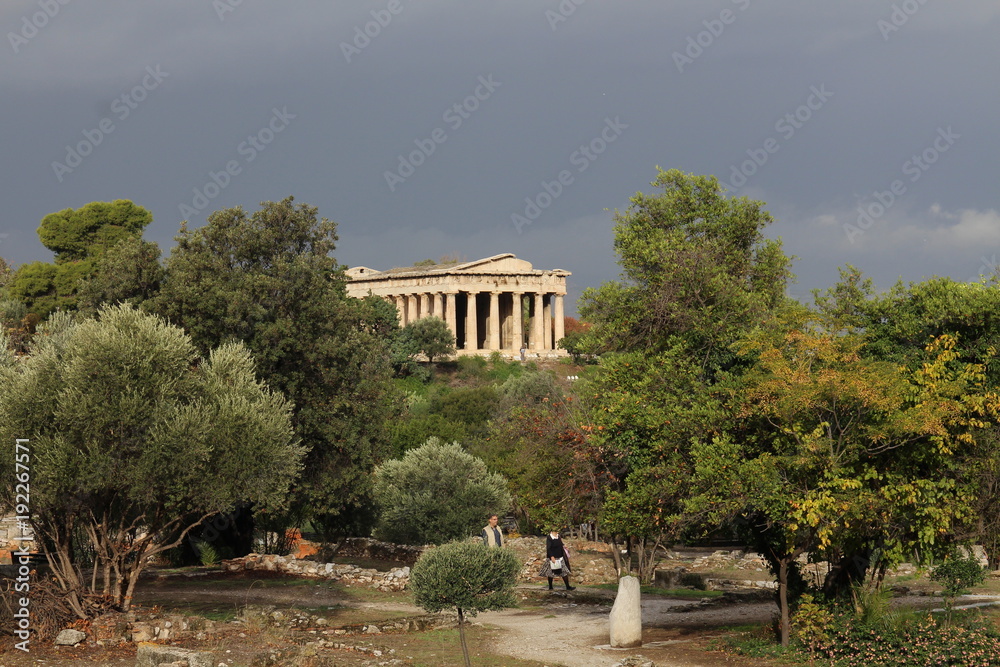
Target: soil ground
(548,628)
(558,628)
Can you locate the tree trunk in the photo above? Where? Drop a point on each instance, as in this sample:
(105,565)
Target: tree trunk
(783,599)
(461,635)
(616,553)
(133,577)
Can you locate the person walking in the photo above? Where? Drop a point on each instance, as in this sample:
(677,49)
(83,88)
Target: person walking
(556,560)
(492,533)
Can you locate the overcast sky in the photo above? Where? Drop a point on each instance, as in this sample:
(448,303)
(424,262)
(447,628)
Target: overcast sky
(868,127)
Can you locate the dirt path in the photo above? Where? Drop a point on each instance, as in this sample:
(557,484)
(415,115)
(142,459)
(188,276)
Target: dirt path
(569,629)
(576,635)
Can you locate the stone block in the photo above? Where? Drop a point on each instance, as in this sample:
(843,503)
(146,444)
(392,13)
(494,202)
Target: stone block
(626,615)
(70,637)
(154,655)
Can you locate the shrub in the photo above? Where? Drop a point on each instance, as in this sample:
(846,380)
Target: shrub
(436,493)
(958,573)
(466,576)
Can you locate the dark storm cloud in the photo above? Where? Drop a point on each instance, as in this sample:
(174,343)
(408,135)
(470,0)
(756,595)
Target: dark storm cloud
(361,86)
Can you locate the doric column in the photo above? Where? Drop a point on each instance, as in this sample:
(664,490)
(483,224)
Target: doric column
(493,342)
(411,308)
(517,339)
(425,307)
(449,313)
(547,310)
(401,308)
(439,307)
(537,330)
(471,324)
(560,323)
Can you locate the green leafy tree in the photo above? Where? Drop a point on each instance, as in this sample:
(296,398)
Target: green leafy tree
(896,325)
(128,272)
(436,493)
(129,431)
(468,577)
(555,475)
(78,237)
(644,412)
(412,431)
(269,279)
(958,573)
(429,336)
(81,233)
(838,455)
(695,266)
(697,274)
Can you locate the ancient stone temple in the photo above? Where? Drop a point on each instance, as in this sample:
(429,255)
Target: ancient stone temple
(495,304)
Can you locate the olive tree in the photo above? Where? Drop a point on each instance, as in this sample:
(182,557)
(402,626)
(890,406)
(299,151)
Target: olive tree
(130,433)
(435,493)
(468,577)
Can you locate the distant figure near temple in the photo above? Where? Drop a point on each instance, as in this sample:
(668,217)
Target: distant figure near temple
(499,303)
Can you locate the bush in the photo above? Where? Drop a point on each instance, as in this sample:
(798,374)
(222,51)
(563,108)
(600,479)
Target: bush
(958,573)
(529,388)
(917,644)
(468,577)
(436,493)
(465,575)
(410,433)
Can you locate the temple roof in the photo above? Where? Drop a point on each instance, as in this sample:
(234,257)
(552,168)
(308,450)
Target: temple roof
(502,263)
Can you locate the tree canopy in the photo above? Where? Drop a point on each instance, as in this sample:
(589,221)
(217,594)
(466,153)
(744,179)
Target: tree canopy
(79,238)
(269,280)
(108,405)
(468,577)
(695,266)
(436,493)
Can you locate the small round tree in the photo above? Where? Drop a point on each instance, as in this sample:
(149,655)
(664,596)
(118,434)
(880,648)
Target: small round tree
(436,493)
(430,336)
(468,577)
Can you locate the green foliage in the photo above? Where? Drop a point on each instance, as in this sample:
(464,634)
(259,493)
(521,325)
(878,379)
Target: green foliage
(528,388)
(109,405)
(873,610)
(90,230)
(465,575)
(34,285)
(78,238)
(916,642)
(129,272)
(429,336)
(414,431)
(268,279)
(574,342)
(554,473)
(837,452)
(958,573)
(696,267)
(207,554)
(436,493)
(811,623)
(471,406)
